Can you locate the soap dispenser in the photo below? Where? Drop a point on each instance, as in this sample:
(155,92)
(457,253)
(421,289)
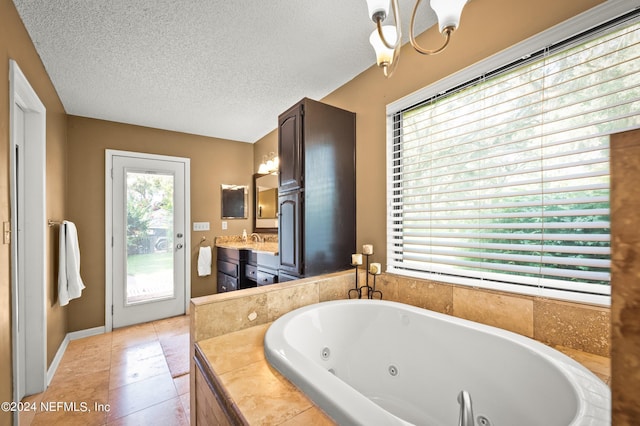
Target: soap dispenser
(244,235)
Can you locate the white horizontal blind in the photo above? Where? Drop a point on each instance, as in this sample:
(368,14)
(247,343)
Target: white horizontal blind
(506,182)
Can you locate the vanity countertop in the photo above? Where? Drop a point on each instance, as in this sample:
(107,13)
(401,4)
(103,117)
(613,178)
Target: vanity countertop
(267,247)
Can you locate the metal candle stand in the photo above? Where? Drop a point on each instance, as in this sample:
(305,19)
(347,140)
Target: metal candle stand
(371,291)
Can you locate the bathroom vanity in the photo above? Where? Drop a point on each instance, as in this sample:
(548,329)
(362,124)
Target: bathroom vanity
(245,264)
(232,269)
(266,267)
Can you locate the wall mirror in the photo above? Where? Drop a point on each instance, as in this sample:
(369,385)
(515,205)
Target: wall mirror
(265,200)
(234,201)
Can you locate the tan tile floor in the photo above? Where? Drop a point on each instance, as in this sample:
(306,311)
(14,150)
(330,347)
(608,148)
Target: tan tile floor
(137,375)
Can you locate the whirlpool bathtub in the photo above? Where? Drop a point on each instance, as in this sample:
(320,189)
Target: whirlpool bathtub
(369,362)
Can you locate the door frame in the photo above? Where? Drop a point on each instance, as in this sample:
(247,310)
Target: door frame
(108,228)
(29,314)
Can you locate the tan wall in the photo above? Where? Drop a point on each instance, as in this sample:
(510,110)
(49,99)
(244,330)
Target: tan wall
(213,162)
(487,27)
(16,44)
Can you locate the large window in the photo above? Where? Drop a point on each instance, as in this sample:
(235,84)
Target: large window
(503,181)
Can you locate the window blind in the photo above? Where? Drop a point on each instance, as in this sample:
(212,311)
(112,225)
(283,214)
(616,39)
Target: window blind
(504,182)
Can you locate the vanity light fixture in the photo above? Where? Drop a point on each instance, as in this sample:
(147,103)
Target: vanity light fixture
(269,164)
(387,39)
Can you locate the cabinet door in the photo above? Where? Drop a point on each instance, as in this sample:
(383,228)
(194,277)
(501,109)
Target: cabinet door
(226,283)
(290,149)
(290,233)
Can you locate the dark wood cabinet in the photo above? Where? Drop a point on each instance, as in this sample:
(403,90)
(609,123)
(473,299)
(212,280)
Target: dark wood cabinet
(232,269)
(267,269)
(290,148)
(290,232)
(251,269)
(317,203)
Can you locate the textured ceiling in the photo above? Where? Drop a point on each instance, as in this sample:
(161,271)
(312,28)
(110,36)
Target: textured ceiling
(224,69)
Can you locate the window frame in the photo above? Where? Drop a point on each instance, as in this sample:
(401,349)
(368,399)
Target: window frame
(586,21)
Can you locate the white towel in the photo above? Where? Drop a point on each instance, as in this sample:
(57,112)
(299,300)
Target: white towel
(70,283)
(204,261)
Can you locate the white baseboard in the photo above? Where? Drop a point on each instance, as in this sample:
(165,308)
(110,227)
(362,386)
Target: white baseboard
(74,335)
(56,359)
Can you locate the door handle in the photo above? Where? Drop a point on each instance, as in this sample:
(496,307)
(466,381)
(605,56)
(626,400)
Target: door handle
(179,246)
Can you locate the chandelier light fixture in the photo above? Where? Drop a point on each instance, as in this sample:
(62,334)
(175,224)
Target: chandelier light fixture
(387,39)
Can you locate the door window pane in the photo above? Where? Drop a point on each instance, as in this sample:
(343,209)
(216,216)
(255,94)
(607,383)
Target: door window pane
(149,232)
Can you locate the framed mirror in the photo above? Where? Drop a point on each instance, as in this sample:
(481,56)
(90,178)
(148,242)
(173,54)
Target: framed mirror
(234,201)
(265,201)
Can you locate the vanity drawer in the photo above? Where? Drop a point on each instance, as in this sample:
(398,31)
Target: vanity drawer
(226,283)
(232,255)
(251,272)
(265,278)
(228,268)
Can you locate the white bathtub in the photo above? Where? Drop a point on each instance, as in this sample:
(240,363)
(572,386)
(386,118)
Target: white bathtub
(369,362)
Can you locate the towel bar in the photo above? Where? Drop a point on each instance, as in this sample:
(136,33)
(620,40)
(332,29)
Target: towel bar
(53,222)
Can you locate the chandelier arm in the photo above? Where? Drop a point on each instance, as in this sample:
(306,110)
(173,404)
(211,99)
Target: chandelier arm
(446,32)
(396,20)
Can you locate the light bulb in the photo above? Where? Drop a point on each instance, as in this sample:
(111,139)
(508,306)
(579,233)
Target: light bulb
(448,12)
(384,55)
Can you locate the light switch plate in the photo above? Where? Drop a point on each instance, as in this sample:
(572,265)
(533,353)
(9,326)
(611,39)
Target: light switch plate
(224,224)
(200,226)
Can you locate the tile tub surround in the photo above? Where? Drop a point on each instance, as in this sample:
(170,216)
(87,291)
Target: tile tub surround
(261,395)
(254,390)
(224,313)
(570,327)
(556,323)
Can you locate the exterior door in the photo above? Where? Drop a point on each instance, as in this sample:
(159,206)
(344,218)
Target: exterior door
(149,226)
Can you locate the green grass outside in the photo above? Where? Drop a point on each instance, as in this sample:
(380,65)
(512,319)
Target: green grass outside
(147,263)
